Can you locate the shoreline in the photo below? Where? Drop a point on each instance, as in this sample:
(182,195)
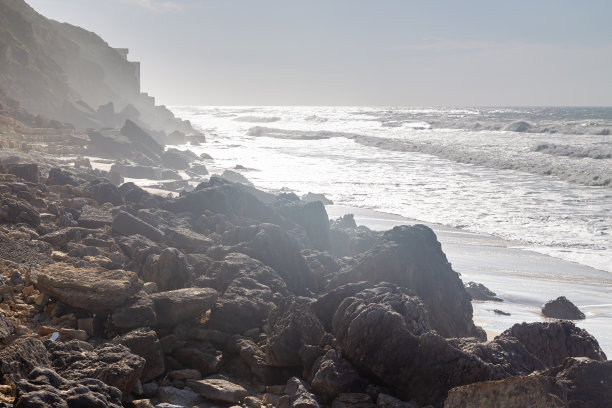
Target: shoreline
(524,279)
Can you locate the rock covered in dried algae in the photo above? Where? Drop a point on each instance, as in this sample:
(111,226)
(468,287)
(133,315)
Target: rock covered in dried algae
(45,388)
(412,257)
(562,308)
(87,288)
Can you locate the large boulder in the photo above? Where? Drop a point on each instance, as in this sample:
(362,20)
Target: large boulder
(169,270)
(103,191)
(384,332)
(92,288)
(45,388)
(218,390)
(562,308)
(136,312)
(22,356)
(333,376)
(144,343)
(125,223)
(175,306)
(412,257)
(247,289)
(25,171)
(61,177)
(311,216)
(141,139)
(112,364)
(188,240)
(292,326)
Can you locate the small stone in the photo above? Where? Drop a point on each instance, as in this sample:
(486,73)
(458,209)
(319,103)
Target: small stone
(218,390)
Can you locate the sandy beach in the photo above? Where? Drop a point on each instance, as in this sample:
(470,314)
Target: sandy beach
(524,279)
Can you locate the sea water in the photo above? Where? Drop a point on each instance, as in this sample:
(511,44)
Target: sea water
(538,177)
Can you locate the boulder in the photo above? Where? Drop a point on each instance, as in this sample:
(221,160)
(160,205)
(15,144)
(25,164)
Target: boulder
(387,401)
(509,393)
(103,191)
(169,270)
(561,308)
(112,364)
(478,291)
(384,333)
(188,240)
(235,177)
(45,388)
(291,326)
(218,390)
(141,139)
(177,159)
(144,343)
(333,376)
(175,306)
(412,257)
(138,171)
(299,394)
(60,177)
(311,216)
(25,171)
(136,312)
(247,290)
(134,194)
(353,400)
(20,357)
(15,212)
(310,197)
(182,397)
(92,217)
(126,224)
(201,356)
(91,288)
(251,355)
(327,304)
(137,248)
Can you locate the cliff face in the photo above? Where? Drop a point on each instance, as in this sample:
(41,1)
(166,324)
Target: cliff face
(65,72)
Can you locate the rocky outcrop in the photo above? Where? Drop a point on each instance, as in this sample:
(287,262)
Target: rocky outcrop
(561,308)
(95,289)
(412,257)
(45,388)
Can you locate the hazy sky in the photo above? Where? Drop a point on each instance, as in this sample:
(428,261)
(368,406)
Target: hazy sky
(354,52)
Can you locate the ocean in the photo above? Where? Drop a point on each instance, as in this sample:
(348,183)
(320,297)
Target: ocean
(540,178)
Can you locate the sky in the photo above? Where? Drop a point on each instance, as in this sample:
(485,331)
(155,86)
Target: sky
(356,52)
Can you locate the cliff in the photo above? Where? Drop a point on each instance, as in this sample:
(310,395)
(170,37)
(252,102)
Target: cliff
(67,73)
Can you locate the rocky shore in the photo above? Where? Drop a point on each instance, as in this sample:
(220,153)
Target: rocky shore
(230,296)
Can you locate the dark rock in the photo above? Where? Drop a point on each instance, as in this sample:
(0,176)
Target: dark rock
(326,305)
(6,328)
(138,171)
(92,217)
(292,325)
(60,177)
(176,306)
(316,197)
(62,237)
(247,289)
(22,356)
(201,356)
(178,397)
(112,364)
(412,257)
(144,343)
(176,138)
(251,355)
(235,177)
(478,291)
(103,191)
(27,172)
(519,126)
(138,249)
(45,388)
(133,194)
(15,212)
(126,224)
(169,270)
(387,401)
(561,308)
(501,312)
(136,312)
(312,217)
(218,390)
(346,221)
(333,376)
(177,159)
(353,400)
(140,138)
(349,240)
(187,240)
(300,395)
(95,289)
(106,114)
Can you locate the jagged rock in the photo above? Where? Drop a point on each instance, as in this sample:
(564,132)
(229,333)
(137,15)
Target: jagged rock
(561,308)
(103,191)
(60,177)
(247,289)
(384,333)
(412,257)
(188,241)
(126,224)
(353,400)
(349,240)
(92,217)
(25,171)
(310,197)
(95,289)
(292,325)
(112,364)
(45,388)
(333,376)
(253,357)
(478,291)
(144,343)
(327,304)
(201,356)
(218,390)
(169,270)
(300,395)
(271,245)
(185,397)
(14,211)
(141,138)
(312,217)
(509,393)
(22,356)
(136,312)
(175,306)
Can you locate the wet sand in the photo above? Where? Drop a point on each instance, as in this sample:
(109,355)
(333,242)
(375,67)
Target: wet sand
(525,280)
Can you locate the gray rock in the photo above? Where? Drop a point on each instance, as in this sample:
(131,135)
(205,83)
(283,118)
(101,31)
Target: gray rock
(333,376)
(175,306)
(300,395)
(26,171)
(478,291)
(15,212)
(185,397)
(6,328)
(136,312)
(94,218)
(103,191)
(188,241)
(60,177)
(561,308)
(126,224)
(219,390)
(144,343)
(169,270)
(20,357)
(353,400)
(200,355)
